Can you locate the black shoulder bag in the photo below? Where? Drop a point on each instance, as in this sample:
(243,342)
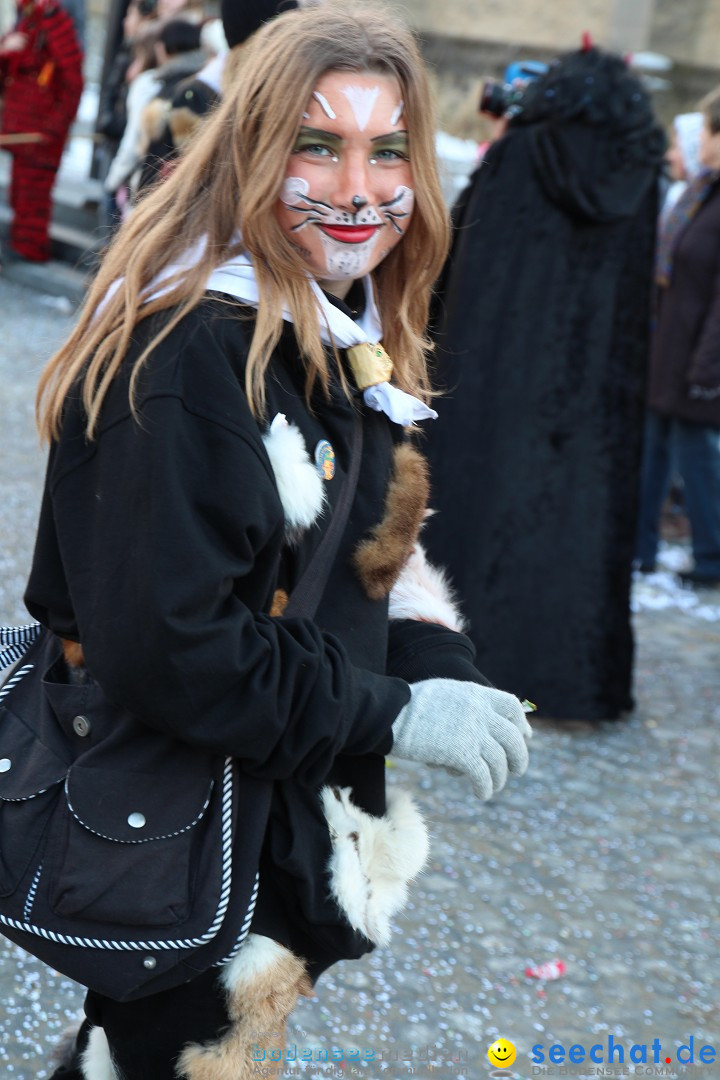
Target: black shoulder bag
(128,859)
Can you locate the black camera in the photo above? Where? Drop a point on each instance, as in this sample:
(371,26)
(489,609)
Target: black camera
(505,98)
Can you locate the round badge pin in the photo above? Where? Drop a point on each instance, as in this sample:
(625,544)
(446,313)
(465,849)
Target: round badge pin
(325,460)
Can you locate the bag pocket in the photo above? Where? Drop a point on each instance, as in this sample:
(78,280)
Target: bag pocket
(30,784)
(125,846)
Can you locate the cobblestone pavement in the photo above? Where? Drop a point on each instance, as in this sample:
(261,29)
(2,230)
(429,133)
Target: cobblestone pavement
(605,856)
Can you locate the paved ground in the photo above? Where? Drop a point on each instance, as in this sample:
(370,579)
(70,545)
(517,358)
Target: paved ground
(605,856)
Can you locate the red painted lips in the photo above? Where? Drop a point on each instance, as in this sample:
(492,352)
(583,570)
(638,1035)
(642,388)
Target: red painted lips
(351,234)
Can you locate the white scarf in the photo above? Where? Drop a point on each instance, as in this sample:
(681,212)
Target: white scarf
(236,277)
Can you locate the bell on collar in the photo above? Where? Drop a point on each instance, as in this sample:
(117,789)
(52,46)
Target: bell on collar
(370,364)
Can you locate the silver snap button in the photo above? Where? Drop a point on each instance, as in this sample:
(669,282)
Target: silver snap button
(149,962)
(81,726)
(5,764)
(136,821)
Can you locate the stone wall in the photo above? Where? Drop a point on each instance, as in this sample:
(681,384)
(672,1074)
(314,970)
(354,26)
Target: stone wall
(552,24)
(688,31)
(458,67)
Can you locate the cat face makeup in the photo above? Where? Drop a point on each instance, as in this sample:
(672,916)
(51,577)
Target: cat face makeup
(347,198)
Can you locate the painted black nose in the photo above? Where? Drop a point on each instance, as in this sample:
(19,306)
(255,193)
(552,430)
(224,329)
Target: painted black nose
(358,202)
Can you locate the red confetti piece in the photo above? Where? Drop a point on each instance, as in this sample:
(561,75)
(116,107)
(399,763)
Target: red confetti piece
(552,969)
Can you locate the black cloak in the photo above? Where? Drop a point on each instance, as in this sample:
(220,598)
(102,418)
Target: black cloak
(541,327)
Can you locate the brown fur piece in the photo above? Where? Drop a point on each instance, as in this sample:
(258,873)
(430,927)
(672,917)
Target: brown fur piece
(73,653)
(280,602)
(152,123)
(183,125)
(380,558)
(259,1004)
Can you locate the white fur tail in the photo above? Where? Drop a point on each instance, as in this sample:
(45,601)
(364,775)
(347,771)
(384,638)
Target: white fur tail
(374,858)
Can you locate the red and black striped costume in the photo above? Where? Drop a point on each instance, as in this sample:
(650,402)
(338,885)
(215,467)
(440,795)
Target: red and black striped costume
(41,86)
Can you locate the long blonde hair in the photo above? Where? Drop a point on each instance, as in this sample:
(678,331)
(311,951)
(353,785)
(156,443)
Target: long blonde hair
(230,178)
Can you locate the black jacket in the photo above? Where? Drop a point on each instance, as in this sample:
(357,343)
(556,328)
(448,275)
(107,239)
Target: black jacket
(686,340)
(160,547)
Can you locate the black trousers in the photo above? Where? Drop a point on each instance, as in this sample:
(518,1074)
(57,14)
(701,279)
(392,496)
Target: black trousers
(146,1037)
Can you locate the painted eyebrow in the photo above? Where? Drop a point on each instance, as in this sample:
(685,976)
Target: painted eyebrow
(329,136)
(318,133)
(393,136)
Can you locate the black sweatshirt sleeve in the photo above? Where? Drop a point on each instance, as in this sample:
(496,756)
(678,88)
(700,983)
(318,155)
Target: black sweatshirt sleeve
(168,531)
(423,650)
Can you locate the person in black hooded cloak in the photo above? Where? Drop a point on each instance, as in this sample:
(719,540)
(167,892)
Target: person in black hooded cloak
(541,326)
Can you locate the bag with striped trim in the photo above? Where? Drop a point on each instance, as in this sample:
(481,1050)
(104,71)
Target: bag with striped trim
(128,860)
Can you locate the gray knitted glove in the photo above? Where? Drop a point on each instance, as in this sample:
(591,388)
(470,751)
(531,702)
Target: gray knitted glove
(473,730)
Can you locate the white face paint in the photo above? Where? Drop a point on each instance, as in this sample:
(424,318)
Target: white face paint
(398,210)
(397,114)
(324,105)
(347,198)
(362,102)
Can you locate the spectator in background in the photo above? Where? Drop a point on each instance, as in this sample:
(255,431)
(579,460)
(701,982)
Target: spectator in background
(130,60)
(41,83)
(684,396)
(194,97)
(683,156)
(682,162)
(177,54)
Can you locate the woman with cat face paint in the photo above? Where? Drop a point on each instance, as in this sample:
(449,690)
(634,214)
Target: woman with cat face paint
(226,426)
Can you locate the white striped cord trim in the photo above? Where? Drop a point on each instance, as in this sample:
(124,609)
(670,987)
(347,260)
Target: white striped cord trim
(15,679)
(25,798)
(158,946)
(31,893)
(143,839)
(14,642)
(245,928)
(19,635)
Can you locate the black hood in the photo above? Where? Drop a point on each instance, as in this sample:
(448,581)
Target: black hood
(594,140)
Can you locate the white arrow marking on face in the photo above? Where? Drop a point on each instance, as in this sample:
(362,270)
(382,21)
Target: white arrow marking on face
(324,105)
(362,102)
(397,113)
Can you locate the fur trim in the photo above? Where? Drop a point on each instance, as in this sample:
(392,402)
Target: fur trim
(424,593)
(263,983)
(279,602)
(299,484)
(380,558)
(153,120)
(183,125)
(63,1052)
(95,1060)
(374,858)
(73,653)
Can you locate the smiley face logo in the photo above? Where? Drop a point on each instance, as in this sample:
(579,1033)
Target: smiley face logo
(502,1052)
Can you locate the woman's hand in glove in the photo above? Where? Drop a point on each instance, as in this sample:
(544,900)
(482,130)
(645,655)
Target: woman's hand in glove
(468,729)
